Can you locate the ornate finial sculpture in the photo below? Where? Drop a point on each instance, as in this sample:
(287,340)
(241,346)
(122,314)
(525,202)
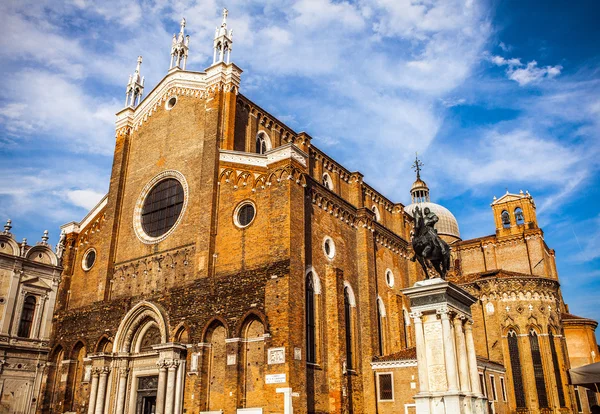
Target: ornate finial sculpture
(8,226)
(223,41)
(45,237)
(135,87)
(180,48)
(23,247)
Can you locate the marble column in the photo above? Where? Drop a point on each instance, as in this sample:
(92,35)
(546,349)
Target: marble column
(160,392)
(421,352)
(122,390)
(449,354)
(170,395)
(101,398)
(179,387)
(463,362)
(93,390)
(472,359)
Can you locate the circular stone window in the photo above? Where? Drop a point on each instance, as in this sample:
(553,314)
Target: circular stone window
(329,247)
(89,258)
(170,103)
(160,206)
(244,214)
(389,278)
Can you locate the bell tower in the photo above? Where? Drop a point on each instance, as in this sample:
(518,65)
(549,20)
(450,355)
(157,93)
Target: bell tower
(514,213)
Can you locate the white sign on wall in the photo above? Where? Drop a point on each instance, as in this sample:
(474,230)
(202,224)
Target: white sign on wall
(275,379)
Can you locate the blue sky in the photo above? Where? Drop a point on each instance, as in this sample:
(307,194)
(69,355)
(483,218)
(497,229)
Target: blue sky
(493,95)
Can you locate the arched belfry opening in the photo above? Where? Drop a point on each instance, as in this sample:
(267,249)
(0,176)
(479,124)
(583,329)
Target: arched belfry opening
(143,365)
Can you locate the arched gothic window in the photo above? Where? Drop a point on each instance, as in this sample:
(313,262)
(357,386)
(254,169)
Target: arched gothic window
(311,346)
(538,370)
(51,398)
(27,317)
(253,357)
(263,143)
(74,378)
(519,219)
(214,367)
(505,219)
(348,299)
(515,366)
(556,366)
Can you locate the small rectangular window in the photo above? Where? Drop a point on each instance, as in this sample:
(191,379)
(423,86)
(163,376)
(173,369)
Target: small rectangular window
(503,387)
(385,384)
(482,384)
(493,384)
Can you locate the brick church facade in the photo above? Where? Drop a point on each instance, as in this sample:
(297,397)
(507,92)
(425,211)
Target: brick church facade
(235,267)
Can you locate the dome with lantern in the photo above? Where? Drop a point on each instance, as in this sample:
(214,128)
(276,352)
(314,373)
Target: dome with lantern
(447,226)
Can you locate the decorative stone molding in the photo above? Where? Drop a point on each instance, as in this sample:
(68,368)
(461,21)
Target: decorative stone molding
(260,181)
(167,261)
(401,363)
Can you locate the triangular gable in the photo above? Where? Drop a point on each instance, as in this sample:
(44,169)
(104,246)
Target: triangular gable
(508,197)
(36,282)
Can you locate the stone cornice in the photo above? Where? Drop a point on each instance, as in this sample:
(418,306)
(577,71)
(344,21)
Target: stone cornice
(284,152)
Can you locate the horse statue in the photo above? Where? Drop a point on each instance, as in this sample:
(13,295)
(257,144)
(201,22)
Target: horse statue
(429,249)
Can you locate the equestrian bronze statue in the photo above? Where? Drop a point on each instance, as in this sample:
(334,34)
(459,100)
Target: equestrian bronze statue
(429,248)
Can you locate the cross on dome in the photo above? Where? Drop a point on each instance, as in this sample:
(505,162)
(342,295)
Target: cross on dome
(417,166)
(180,48)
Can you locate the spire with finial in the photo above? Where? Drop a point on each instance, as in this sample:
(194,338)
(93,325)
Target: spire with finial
(8,226)
(223,41)
(179,48)
(135,87)
(419,191)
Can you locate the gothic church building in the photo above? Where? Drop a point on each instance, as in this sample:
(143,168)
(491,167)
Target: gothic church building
(235,267)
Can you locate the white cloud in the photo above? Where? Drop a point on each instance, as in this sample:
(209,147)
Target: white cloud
(49,104)
(84,198)
(526,74)
(516,156)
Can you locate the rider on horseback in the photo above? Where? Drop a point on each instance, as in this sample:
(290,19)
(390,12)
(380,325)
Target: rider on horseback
(428,247)
(429,219)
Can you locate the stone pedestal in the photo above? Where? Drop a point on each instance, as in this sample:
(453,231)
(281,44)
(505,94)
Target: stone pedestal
(447,364)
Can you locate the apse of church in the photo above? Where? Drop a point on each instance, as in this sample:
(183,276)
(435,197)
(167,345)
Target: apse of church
(235,267)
